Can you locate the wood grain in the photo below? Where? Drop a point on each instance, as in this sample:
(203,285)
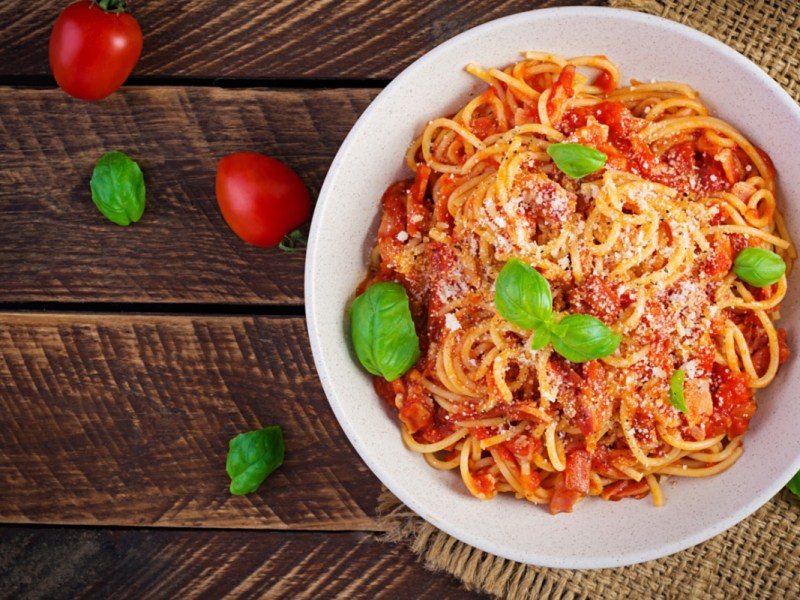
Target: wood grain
(288,39)
(58,247)
(57,562)
(124,420)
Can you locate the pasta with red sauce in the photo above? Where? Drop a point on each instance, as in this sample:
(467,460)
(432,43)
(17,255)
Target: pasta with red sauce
(646,245)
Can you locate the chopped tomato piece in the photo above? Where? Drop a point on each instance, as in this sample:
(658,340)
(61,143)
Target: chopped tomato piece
(733,402)
(485,484)
(417,409)
(605,82)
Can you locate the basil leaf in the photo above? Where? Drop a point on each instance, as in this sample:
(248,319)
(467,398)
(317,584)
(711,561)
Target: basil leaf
(541,338)
(579,338)
(383,331)
(794,484)
(758,267)
(576,160)
(522,295)
(252,456)
(117,186)
(676,391)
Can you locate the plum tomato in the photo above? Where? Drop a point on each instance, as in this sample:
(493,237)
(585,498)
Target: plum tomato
(94,46)
(261,198)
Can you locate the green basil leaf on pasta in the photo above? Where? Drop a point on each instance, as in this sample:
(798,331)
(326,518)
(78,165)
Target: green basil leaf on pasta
(383,332)
(676,390)
(579,338)
(252,457)
(117,186)
(758,266)
(794,484)
(541,338)
(522,295)
(576,160)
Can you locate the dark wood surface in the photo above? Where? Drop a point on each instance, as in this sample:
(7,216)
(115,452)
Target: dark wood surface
(130,356)
(253,39)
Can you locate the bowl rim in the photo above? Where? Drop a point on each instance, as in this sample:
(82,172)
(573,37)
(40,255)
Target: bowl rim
(312,298)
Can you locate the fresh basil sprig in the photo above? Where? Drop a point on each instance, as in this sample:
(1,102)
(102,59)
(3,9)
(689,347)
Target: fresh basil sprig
(523,296)
(383,332)
(676,390)
(794,484)
(579,338)
(252,456)
(758,266)
(576,160)
(117,186)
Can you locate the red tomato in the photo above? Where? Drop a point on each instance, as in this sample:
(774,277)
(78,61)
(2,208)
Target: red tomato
(261,198)
(92,51)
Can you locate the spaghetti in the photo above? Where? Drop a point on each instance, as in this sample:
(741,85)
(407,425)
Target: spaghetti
(646,245)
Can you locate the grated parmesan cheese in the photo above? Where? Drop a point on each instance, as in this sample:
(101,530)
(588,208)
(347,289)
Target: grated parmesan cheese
(451,322)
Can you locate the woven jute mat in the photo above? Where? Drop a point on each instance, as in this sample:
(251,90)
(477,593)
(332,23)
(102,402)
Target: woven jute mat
(760,557)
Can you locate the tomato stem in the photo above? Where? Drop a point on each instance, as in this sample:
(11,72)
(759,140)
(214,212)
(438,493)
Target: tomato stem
(295,241)
(117,6)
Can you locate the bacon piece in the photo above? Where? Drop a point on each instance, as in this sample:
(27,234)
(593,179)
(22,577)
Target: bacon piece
(561,91)
(626,488)
(563,500)
(393,220)
(593,401)
(447,283)
(730,165)
(418,213)
(579,467)
(720,261)
(697,395)
(761,356)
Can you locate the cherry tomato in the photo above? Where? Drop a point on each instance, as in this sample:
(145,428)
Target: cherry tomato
(261,198)
(92,50)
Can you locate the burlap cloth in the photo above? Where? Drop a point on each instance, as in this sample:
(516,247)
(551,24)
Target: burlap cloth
(760,557)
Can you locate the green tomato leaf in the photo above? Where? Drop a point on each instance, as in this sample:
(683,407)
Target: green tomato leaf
(383,332)
(676,390)
(522,295)
(576,160)
(579,338)
(794,484)
(117,186)
(252,456)
(758,266)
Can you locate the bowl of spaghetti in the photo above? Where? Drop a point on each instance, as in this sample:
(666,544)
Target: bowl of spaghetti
(549,287)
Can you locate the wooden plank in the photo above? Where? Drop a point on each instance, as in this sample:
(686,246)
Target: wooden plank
(286,39)
(120,420)
(56,245)
(98,563)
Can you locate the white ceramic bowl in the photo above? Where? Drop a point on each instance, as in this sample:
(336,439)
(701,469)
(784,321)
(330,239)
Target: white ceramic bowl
(598,533)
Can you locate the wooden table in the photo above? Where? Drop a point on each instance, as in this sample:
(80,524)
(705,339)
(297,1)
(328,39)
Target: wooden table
(130,356)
